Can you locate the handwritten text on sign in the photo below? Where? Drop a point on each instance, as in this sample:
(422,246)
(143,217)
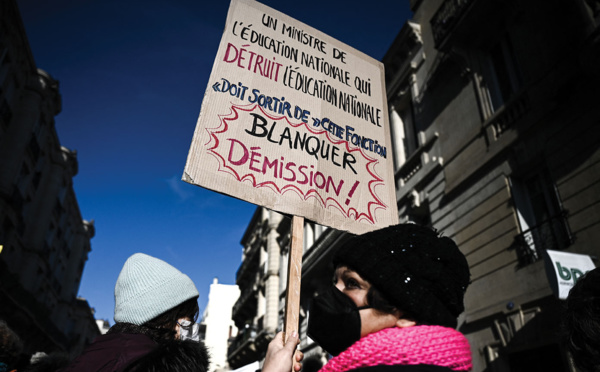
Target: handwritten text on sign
(294,171)
(295,121)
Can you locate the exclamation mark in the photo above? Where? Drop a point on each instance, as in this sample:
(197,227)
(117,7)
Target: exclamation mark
(352,192)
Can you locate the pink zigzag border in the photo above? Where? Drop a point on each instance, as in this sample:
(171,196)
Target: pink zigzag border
(312,193)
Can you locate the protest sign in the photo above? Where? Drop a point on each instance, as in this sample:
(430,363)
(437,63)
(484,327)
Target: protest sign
(297,122)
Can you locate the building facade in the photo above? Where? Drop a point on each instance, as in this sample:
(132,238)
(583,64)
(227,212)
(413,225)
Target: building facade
(496,138)
(496,141)
(255,313)
(43,238)
(217,327)
(262,279)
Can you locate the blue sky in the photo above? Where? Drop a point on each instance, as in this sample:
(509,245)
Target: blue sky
(132,75)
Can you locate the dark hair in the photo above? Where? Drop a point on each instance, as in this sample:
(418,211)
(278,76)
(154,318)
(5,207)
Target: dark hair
(380,303)
(162,327)
(581,322)
(377,300)
(168,320)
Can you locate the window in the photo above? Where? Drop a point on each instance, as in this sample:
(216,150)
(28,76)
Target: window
(5,114)
(283,269)
(312,232)
(4,61)
(541,218)
(501,78)
(309,236)
(419,209)
(7,89)
(404,135)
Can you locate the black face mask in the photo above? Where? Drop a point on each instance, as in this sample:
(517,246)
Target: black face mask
(334,321)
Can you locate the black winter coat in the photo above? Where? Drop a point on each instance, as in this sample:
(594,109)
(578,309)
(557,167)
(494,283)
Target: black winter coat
(112,353)
(123,352)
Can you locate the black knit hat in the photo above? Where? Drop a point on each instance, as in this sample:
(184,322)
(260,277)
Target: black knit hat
(420,273)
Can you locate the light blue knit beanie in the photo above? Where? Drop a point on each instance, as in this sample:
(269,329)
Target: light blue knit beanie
(147,287)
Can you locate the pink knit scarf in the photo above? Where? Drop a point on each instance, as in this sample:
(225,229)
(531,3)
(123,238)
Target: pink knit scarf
(433,345)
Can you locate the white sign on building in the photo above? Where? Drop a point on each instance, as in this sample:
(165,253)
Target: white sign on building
(567,268)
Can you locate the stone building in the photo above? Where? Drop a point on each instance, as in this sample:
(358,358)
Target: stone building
(496,135)
(262,279)
(216,326)
(255,312)
(44,240)
(496,142)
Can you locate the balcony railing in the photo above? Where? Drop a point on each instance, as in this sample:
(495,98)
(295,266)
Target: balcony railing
(553,234)
(249,264)
(506,117)
(412,165)
(416,161)
(248,333)
(446,18)
(244,301)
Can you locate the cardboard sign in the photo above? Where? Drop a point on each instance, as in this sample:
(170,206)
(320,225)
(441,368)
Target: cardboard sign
(566,269)
(297,122)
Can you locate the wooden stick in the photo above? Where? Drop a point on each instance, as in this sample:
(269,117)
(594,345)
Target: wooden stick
(292,297)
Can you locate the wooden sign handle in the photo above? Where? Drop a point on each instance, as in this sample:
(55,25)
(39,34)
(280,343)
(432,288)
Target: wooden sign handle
(292,298)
